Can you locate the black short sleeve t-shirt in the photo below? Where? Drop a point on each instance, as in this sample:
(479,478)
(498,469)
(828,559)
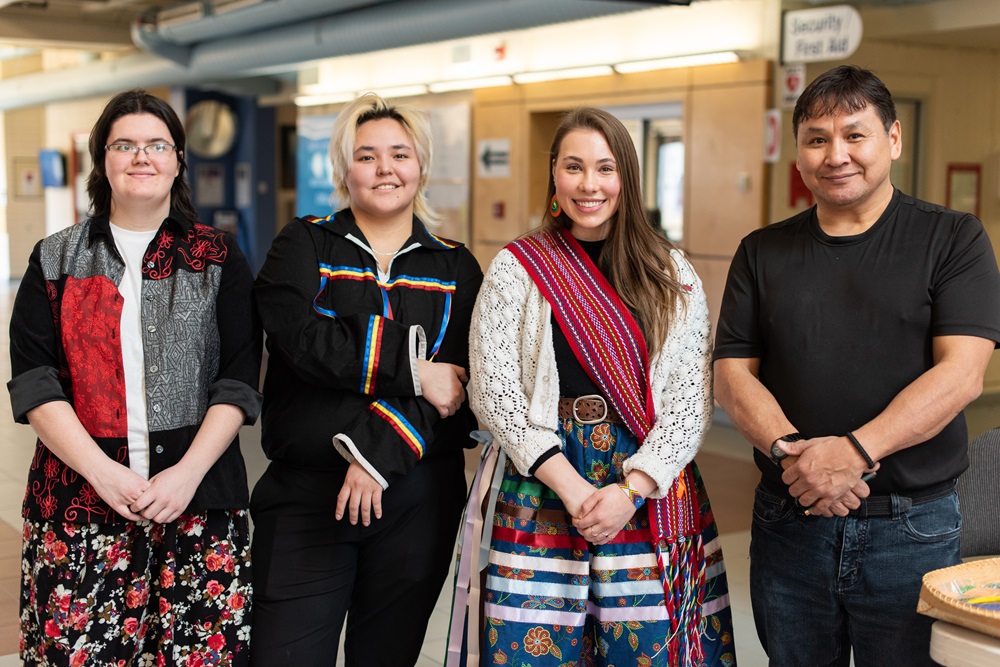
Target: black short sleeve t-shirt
(842,324)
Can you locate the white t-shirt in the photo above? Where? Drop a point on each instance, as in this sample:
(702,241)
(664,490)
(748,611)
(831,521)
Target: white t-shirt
(132,246)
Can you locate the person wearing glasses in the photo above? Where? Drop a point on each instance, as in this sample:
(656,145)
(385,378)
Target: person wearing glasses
(135,359)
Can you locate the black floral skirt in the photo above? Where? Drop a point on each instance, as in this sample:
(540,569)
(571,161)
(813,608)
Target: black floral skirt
(138,593)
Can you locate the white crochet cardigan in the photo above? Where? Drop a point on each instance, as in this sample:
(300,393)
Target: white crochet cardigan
(514,383)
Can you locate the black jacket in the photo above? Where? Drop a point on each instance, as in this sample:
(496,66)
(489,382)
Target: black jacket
(343,344)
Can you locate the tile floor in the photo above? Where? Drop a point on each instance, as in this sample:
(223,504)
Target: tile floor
(725,462)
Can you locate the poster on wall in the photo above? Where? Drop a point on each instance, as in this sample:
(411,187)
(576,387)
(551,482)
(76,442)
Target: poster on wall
(242,185)
(80,166)
(448,182)
(27,177)
(792,80)
(53,168)
(313,173)
(772,135)
(209,185)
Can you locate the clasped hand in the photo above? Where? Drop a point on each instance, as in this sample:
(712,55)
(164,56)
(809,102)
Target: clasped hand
(601,513)
(161,499)
(824,475)
(442,385)
(168,495)
(360,497)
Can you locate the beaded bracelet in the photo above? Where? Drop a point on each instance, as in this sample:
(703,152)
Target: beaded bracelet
(861,450)
(633,495)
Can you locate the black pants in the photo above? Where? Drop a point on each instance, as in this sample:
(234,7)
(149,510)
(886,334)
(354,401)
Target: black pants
(310,570)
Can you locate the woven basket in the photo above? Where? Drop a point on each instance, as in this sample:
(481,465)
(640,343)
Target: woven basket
(946,594)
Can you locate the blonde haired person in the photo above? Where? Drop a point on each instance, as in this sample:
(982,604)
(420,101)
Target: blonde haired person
(364,420)
(590,365)
(413,122)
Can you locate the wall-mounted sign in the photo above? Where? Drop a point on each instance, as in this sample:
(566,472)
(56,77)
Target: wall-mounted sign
(826,33)
(53,168)
(313,172)
(493,158)
(209,185)
(27,177)
(793,82)
(772,135)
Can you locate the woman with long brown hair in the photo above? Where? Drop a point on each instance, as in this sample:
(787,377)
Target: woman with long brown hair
(590,365)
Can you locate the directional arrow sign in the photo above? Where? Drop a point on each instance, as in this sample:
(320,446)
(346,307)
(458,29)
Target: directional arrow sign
(494,158)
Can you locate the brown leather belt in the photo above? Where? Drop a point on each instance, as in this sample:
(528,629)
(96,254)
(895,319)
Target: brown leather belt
(591,409)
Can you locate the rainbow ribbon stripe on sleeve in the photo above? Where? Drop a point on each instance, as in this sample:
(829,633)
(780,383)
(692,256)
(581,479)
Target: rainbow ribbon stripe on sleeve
(373,348)
(399,424)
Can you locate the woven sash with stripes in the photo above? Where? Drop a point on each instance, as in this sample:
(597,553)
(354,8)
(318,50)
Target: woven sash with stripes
(604,336)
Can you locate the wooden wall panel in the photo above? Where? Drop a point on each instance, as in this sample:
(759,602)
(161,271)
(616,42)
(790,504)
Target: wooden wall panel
(726,179)
(497,202)
(24,130)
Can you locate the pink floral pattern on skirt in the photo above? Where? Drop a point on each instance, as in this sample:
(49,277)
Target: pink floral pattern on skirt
(137,593)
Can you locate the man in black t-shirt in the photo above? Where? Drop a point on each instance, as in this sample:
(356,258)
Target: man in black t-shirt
(850,339)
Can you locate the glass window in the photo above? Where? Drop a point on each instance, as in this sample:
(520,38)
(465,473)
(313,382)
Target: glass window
(658,133)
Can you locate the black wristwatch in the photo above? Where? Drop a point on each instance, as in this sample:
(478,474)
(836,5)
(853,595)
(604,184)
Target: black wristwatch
(777,453)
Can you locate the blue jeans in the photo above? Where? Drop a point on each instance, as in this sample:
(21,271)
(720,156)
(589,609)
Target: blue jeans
(822,587)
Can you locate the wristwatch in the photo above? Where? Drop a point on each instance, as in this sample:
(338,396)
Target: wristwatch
(777,453)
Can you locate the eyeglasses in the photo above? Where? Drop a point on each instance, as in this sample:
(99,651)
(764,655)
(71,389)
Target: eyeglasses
(152,151)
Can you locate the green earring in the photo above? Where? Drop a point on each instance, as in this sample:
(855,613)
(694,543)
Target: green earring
(554,207)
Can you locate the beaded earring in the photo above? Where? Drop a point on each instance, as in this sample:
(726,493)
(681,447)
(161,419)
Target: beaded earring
(554,207)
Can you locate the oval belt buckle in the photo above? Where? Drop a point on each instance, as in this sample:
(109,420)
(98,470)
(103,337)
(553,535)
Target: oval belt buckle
(588,397)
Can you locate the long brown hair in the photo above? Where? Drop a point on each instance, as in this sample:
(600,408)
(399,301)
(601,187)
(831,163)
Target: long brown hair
(636,258)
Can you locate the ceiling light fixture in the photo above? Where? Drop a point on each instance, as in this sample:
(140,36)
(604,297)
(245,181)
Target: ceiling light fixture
(401,91)
(469,84)
(223,6)
(320,99)
(694,60)
(556,74)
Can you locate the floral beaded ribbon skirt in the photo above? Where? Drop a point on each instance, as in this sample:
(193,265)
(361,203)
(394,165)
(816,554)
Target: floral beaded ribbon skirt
(549,598)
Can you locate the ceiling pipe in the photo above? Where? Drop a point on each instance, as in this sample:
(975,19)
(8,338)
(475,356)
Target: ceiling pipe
(220,22)
(374,28)
(163,35)
(147,38)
